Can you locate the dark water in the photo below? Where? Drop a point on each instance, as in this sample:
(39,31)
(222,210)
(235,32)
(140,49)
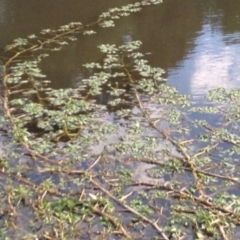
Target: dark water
(196,41)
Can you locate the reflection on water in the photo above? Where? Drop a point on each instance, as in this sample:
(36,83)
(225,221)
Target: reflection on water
(213,63)
(196,42)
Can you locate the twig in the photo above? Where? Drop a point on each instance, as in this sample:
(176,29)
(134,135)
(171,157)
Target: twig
(223,232)
(152,223)
(94,163)
(112,220)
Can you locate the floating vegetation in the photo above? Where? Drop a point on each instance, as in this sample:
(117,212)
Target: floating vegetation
(147,165)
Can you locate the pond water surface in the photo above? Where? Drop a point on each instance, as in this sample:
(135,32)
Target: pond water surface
(196,42)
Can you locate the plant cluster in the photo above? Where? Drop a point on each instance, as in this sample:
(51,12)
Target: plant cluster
(70,166)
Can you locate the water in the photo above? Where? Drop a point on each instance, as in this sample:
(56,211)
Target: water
(196,42)
(213,62)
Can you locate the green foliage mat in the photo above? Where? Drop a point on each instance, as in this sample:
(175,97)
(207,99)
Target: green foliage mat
(147,165)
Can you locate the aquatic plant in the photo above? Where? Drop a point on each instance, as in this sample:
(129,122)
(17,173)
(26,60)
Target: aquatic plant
(69,165)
